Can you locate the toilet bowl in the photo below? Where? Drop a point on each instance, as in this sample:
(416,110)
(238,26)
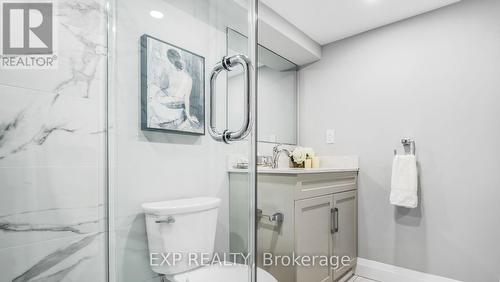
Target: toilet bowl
(178,229)
(222,273)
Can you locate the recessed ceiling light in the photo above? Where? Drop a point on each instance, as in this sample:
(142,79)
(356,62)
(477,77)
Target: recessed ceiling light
(156,14)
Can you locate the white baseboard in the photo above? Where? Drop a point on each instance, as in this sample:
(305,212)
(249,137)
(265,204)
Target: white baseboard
(389,273)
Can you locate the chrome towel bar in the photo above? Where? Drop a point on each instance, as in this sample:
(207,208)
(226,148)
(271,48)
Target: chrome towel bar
(408,146)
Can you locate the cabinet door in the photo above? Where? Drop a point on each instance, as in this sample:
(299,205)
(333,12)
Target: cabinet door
(345,236)
(312,236)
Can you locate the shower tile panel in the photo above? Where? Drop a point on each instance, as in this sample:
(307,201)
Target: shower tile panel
(42,129)
(47,203)
(72,259)
(80,47)
(52,155)
(51,166)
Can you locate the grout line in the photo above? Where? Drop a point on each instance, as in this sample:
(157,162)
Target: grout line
(369,279)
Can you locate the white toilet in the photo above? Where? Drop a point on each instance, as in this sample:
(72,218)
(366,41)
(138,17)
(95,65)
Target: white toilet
(180,231)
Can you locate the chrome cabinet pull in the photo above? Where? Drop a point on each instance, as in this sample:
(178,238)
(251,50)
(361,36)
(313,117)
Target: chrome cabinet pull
(228,64)
(336,211)
(334,214)
(332,221)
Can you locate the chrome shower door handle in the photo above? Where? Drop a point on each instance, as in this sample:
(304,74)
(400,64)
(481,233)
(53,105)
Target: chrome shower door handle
(228,64)
(246,126)
(217,135)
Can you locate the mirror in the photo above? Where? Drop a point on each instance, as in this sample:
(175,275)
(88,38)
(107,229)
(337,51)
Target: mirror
(277,90)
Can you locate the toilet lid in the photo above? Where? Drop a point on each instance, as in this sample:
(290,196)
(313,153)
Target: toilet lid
(222,273)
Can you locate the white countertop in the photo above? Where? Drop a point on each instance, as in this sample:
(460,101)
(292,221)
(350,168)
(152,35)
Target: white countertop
(294,170)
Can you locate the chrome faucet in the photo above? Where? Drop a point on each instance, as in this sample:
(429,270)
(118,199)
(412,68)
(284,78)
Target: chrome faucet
(277,150)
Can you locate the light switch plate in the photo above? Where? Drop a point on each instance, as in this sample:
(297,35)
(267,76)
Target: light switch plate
(330,136)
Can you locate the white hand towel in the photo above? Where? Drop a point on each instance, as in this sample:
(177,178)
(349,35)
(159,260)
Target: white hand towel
(404,181)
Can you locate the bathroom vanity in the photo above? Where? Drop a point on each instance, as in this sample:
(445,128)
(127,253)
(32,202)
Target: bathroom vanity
(319,209)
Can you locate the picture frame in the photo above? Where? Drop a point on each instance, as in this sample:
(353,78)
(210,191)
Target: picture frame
(172,88)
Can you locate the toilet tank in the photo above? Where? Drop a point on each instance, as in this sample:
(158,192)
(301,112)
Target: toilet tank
(181,233)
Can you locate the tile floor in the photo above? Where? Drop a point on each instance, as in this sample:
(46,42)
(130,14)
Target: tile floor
(360,279)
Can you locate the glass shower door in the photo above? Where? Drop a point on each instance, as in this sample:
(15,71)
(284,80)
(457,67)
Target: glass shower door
(168,133)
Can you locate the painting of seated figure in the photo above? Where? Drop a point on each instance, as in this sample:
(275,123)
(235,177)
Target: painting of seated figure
(172,88)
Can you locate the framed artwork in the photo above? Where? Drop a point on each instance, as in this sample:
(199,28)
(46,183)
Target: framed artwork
(172,88)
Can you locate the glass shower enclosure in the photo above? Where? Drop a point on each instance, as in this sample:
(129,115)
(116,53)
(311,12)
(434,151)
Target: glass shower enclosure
(129,107)
(169,136)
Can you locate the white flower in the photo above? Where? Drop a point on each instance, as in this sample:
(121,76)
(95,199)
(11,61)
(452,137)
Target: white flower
(299,155)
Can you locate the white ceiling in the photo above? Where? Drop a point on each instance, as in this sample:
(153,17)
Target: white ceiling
(326,21)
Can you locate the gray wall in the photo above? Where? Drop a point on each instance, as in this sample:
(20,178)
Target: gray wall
(435,78)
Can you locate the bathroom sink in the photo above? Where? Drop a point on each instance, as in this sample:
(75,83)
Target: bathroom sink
(286,170)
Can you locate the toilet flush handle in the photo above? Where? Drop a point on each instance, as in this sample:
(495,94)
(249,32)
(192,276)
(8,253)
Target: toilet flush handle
(169,220)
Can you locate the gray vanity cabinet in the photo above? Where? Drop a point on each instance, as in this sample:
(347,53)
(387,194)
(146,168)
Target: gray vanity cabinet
(345,243)
(320,218)
(326,225)
(312,235)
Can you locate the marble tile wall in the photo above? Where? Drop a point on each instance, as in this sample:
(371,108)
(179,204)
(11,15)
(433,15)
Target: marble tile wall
(52,156)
